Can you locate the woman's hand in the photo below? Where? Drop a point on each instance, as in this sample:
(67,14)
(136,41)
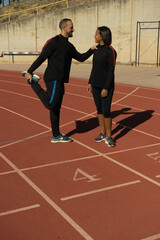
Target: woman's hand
(89,88)
(104,93)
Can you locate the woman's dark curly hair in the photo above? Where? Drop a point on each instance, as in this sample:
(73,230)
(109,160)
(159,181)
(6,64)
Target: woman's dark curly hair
(106,34)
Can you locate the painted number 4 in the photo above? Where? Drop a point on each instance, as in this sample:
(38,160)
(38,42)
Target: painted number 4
(80,175)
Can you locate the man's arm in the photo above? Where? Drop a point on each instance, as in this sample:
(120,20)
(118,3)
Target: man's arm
(81,57)
(46,51)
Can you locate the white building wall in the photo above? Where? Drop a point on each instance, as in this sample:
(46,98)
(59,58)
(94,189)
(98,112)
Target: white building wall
(120,15)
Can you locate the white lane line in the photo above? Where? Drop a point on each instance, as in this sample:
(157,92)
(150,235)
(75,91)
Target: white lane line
(87,113)
(142,87)
(154,237)
(16,83)
(76,85)
(19,210)
(21,140)
(131,149)
(1,74)
(126,96)
(19,94)
(20,115)
(50,164)
(59,163)
(139,131)
(139,109)
(80,159)
(8,172)
(75,110)
(48,200)
(85,80)
(99,190)
(77,95)
(120,164)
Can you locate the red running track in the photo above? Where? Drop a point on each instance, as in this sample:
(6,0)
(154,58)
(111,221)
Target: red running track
(83,189)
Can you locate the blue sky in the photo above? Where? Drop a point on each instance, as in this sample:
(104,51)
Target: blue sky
(5,1)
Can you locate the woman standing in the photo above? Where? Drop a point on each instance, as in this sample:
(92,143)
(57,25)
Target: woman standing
(101,82)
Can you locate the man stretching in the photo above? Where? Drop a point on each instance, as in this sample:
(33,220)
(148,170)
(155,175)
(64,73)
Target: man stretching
(59,52)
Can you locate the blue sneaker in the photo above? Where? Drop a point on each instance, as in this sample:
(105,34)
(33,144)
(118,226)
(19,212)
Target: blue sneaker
(61,138)
(35,77)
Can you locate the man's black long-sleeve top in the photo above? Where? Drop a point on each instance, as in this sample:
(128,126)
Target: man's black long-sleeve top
(102,74)
(59,52)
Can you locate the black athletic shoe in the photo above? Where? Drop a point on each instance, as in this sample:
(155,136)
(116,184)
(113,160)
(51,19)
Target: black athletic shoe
(100,138)
(61,138)
(110,142)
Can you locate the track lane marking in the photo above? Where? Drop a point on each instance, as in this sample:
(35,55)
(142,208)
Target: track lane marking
(20,115)
(37,99)
(76,85)
(131,149)
(21,140)
(99,190)
(154,237)
(120,164)
(19,210)
(48,200)
(84,79)
(139,109)
(50,164)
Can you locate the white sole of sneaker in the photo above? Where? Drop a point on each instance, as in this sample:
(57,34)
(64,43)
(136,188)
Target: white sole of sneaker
(61,141)
(110,145)
(100,140)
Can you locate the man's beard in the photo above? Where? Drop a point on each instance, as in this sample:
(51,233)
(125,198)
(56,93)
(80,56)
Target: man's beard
(70,34)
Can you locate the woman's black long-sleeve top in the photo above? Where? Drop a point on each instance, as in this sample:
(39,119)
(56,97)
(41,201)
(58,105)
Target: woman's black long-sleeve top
(59,52)
(102,74)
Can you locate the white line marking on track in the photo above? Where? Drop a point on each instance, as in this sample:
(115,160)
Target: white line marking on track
(131,149)
(19,94)
(39,100)
(120,164)
(100,190)
(139,109)
(154,237)
(19,210)
(136,130)
(91,113)
(8,172)
(76,85)
(18,141)
(158,176)
(50,164)
(49,200)
(131,86)
(22,84)
(20,115)
(126,95)
(59,163)
(84,79)
(77,95)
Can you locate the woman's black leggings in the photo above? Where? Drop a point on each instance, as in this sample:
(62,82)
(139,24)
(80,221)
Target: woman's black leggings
(52,100)
(103,104)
